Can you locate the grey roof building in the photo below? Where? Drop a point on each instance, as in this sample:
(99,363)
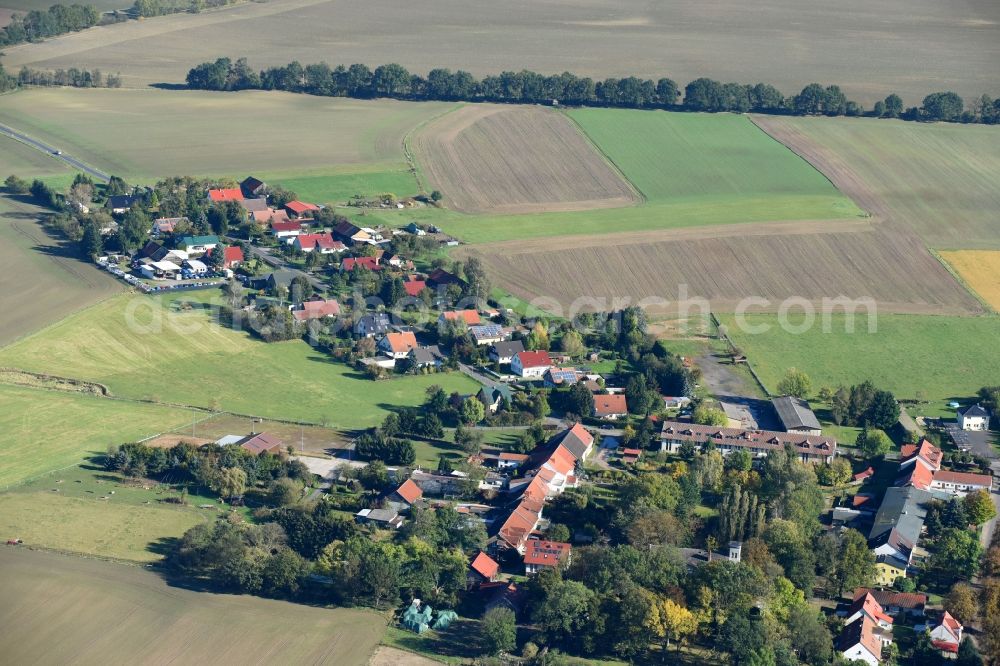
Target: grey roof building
(795,415)
(901,514)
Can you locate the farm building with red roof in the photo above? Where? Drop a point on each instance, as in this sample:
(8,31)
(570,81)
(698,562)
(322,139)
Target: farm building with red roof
(225,194)
(300,208)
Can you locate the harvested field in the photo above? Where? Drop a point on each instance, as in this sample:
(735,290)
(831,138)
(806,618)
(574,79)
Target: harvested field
(807,260)
(507,159)
(903,46)
(390,656)
(980,269)
(938,179)
(63,610)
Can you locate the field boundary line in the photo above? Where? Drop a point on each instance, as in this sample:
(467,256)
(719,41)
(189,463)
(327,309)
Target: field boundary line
(724,334)
(643,199)
(958,277)
(410,156)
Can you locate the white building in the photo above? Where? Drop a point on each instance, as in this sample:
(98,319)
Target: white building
(530,364)
(975,417)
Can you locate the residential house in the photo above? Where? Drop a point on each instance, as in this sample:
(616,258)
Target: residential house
(920,467)
(261,443)
(413,286)
(466,317)
(285,229)
(320,309)
(960,483)
(369,325)
(300,209)
(384,518)
(504,352)
(279,279)
(402,498)
(863,476)
(232,256)
(486,334)
(351,234)
(515,530)
(809,448)
(119,204)
(166,225)
(530,364)
(795,415)
(439,277)
(323,243)
(225,194)
(398,345)
(859,641)
(433,483)
(424,357)
(198,244)
(258,205)
(556,377)
(946,635)
(540,555)
(896,603)
(493,396)
(576,439)
(253,187)
(507,460)
(676,402)
(896,531)
(866,605)
(610,406)
(975,417)
(360,263)
(482,569)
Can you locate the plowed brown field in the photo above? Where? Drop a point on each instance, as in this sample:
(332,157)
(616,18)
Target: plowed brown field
(516,159)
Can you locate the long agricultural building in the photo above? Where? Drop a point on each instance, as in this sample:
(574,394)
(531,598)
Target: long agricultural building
(809,448)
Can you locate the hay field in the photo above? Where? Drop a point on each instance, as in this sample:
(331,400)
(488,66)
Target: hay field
(810,260)
(149,134)
(980,269)
(46,430)
(145,347)
(64,609)
(938,179)
(509,159)
(938,358)
(903,46)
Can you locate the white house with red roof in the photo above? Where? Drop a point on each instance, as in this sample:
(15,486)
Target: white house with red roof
(920,467)
(539,555)
(398,345)
(284,228)
(859,641)
(530,364)
(324,243)
(610,406)
(225,194)
(482,569)
(232,256)
(867,605)
(310,310)
(947,634)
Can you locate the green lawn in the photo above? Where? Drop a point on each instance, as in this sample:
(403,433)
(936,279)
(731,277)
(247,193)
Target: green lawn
(47,430)
(147,348)
(934,358)
(339,185)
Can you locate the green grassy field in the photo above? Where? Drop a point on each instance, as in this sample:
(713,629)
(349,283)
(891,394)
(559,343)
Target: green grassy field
(65,511)
(83,611)
(182,357)
(933,358)
(325,148)
(47,430)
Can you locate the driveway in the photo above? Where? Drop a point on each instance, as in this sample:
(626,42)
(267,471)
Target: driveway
(264,254)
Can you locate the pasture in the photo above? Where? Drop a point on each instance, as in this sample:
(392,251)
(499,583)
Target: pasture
(331,146)
(980,270)
(72,610)
(919,357)
(902,46)
(47,430)
(509,159)
(149,348)
(937,179)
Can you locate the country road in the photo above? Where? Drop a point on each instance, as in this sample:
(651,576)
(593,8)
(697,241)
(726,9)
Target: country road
(53,152)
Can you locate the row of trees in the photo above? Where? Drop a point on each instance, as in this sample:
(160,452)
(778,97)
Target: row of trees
(77,78)
(41,23)
(703,94)
(149,8)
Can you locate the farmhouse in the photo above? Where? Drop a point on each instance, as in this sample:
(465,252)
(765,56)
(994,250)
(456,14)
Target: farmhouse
(540,555)
(225,194)
(285,228)
(920,467)
(809,448)
(398,345)
(261,443)
(198,244)
(577,440)
(504,352)
(975,417)
(252,206)
(324,243)
(960,483)
(351,234)
(795,415)
(402,498)
(530,364)
(610,406)
(252,187)
(896,531)
(486,334)
(299,209)
(310,310)
(896,603)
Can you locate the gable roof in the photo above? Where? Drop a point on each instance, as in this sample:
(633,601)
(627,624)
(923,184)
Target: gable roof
(121,201)
(469,317)
(485,566)
(974,411)
(364,263)
(317,310)
(321,241)
(413,287)
(576,439)
(861,631)
(230,255)
(273,216)
(546,553)
(251,184)
(949,622)
(261,443)
(441,277)
(508,349)
(255,204)
(486,331)
(410,491)
(963,478)
(518,526)
(225,194)
(606,405)
(401,342)
(299,207)
(759,440)
(188,241)
(794,413)
(924,452)
(891,598)
(902,511)
(534,359)
(867,604)
(917,476)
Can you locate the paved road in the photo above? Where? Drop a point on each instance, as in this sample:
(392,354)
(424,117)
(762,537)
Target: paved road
(52,152)
(264,254)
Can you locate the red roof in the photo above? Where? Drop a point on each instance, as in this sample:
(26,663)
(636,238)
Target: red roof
(534,359)
(632,452)
(608,405)
(519,525)
(410,491)
(546,553)
(861,476)
(516,457)
(860,500)
(227,194)
(963,478)
(870,607)
(322,241)
(907,600)
(401,342)
(470,317)
(485,566)
(286,225)
(414,287)
(364,263)
(920,477)
(233,254)
(925,450)
(299,207)
(951,624)
(260,443)
(317,310)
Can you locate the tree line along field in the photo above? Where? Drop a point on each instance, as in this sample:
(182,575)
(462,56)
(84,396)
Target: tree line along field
(513,159)
(980,270)
(935,358)
(181,356)
(72,610)
(329,146)
(897,46)
(938,180)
